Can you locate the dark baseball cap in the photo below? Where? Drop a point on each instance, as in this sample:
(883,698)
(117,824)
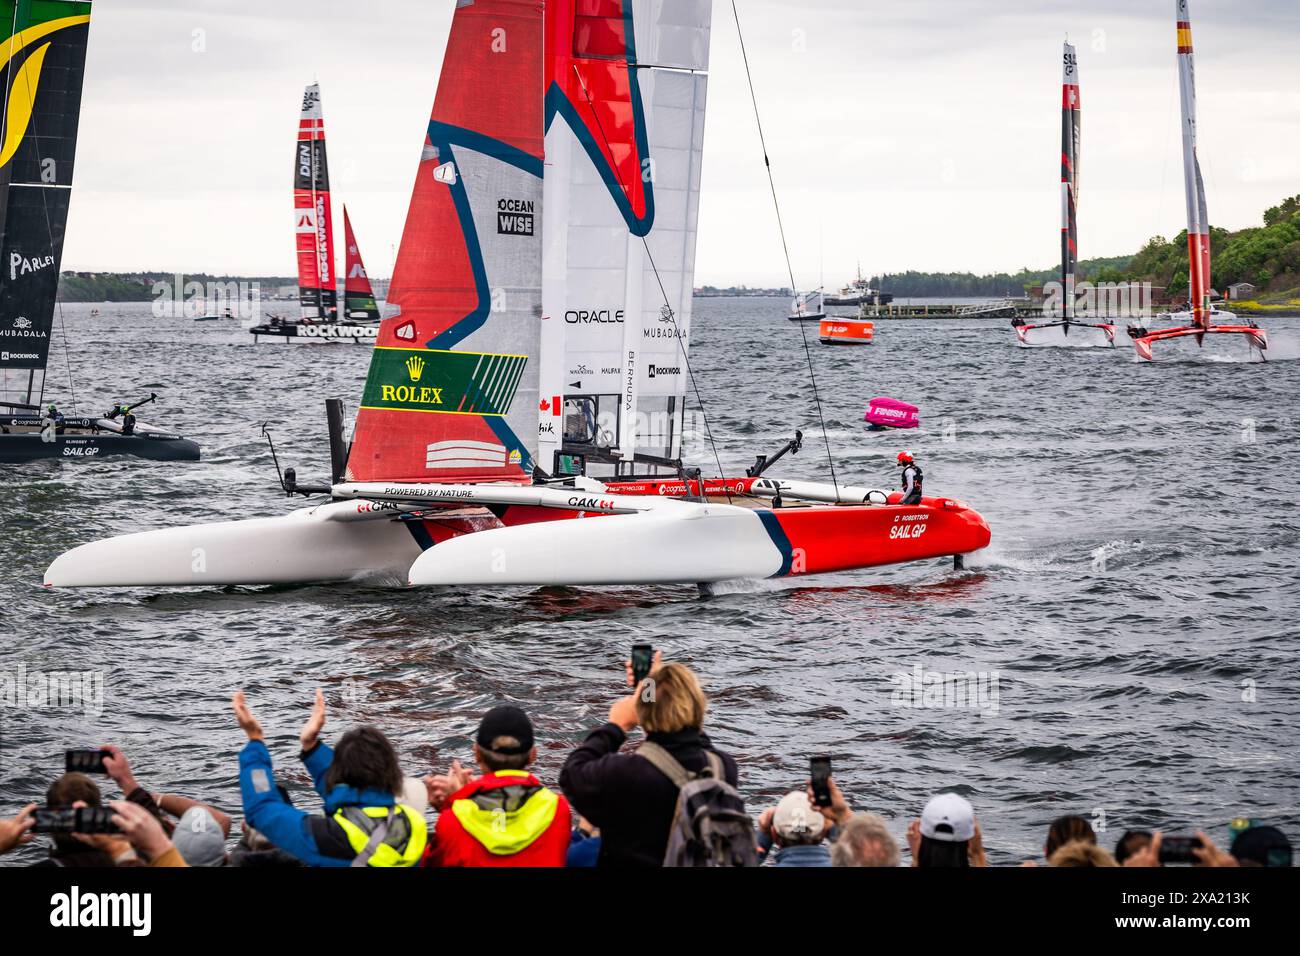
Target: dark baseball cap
(505,721)
(1262,846)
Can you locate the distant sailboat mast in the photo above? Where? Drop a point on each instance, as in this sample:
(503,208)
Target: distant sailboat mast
(1070,128)
(358,295)
(1198,222)
(317,281)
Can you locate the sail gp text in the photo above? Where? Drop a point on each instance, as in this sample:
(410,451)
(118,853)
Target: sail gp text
(907,527)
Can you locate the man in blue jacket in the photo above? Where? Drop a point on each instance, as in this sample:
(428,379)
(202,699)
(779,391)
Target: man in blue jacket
(363,824)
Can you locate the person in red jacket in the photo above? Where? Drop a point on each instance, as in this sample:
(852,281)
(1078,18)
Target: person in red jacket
(505,817)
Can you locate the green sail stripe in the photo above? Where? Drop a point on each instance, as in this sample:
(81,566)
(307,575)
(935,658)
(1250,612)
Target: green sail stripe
(423,380)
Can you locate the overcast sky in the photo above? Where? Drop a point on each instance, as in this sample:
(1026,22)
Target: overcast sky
(919,134)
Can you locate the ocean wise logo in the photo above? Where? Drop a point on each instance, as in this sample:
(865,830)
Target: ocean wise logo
(26,79)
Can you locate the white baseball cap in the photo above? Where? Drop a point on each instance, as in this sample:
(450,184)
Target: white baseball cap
(948,817)
(796,818)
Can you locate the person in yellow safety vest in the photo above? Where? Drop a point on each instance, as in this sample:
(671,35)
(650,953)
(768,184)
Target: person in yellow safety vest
(364,824)
(504,817)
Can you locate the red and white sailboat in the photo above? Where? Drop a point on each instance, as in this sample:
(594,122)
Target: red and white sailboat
(313,218)
(1085,333)
(1201,319)
(522,421)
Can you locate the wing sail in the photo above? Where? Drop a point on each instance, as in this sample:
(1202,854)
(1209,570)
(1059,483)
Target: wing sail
(451,395)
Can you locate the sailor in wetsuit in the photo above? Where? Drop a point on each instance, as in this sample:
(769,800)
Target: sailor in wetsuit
(128,421)
(912,479)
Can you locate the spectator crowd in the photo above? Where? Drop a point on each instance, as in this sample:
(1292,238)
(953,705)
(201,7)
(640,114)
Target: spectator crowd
(674,800)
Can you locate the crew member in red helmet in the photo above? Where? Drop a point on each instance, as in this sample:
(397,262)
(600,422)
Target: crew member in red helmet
(912,479)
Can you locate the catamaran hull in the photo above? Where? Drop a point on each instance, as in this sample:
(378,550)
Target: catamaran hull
(17,449)
(1063,335)
(689,543)
(307,545)
(706,544)
(1143,340)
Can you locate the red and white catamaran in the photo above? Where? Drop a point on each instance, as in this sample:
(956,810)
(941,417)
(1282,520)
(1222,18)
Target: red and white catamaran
(522,420)
(1085,333)
(1201,319)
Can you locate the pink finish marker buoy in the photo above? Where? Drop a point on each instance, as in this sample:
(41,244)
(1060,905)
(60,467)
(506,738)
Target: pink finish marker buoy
(886,412)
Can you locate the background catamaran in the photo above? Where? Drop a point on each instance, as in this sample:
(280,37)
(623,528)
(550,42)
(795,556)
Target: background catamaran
(318,294)
(807,307)
(530,380)
(42,63)
(1085,333)
(1202,316)
(358,296)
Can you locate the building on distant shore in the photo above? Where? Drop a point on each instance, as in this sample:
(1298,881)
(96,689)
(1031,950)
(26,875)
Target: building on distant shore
(1241,290)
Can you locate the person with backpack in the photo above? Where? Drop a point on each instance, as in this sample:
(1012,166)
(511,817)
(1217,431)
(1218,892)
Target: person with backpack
(672,801)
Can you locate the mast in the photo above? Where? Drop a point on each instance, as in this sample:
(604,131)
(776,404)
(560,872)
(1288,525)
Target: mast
(317,281)
(42,63)
(358,295)
(1198,223)
(1069,179)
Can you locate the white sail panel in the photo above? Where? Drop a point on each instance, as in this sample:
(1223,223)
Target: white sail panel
(624,149)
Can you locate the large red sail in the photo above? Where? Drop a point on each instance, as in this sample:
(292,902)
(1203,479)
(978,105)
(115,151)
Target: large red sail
(358,295)
(452,391)
(313,224)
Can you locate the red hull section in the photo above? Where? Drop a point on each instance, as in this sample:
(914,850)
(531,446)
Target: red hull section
(843,537)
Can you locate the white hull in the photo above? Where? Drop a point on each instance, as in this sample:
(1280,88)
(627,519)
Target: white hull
(702,543)
(310,544)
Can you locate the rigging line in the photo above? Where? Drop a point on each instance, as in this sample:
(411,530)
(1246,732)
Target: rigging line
(49,232)
(677,331)
(785,248)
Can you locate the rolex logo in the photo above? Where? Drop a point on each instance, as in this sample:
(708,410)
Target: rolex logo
(415,367)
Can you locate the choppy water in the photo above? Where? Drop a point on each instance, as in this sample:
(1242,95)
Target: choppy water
(1138,603)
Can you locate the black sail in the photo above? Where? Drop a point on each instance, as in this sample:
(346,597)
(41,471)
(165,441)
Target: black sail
(42,62)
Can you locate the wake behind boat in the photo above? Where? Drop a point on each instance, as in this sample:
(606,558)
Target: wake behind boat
(44,55)
(488,448)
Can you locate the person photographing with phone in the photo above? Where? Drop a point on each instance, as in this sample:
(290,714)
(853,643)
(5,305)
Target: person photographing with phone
(633,798)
